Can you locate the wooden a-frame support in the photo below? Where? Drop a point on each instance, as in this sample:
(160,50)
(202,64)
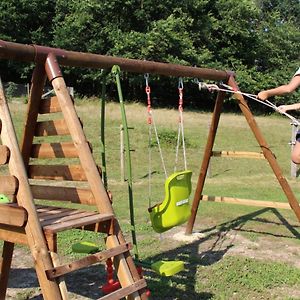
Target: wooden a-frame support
(269,156)
(37,225)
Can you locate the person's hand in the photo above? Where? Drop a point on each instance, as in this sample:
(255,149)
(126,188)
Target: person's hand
(282,108)
(263,95)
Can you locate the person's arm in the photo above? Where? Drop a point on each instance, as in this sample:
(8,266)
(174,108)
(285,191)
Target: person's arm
(281,90)
(285,108)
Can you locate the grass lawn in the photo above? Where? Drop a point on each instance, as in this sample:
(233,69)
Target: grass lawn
(245,252)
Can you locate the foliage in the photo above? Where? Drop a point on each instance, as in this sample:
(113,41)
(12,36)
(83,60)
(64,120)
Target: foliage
(257,39)
(11,89)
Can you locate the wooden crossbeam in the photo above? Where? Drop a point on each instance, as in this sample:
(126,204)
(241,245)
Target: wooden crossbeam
(238,154)
(249,202)
(87,261)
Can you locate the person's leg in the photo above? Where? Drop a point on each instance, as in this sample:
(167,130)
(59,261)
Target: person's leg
(296,151)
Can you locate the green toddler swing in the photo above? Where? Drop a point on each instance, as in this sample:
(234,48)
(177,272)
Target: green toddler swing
(175,209)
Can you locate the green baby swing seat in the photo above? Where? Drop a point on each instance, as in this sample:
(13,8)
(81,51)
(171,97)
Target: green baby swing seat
(175,208)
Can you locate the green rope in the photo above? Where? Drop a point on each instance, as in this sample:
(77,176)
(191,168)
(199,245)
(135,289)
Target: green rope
(116,72)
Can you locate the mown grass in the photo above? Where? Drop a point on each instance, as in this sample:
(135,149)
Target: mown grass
(211,275)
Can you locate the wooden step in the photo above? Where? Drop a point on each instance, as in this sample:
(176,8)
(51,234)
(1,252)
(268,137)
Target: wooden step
(87,261)
(57,222)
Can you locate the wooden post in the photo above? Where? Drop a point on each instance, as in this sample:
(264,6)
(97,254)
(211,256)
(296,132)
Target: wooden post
(34,234)
(209,168)
(205,161)
(88,164)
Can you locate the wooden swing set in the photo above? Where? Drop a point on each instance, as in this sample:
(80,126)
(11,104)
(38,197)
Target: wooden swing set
(35,224)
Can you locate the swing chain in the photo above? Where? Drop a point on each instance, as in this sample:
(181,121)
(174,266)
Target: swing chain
(148,92)
(180,91)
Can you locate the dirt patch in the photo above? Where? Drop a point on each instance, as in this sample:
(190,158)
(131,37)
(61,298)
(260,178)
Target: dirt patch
(23,283)
(211,247)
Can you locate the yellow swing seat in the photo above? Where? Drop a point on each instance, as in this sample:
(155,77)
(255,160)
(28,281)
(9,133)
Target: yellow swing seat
(175,208)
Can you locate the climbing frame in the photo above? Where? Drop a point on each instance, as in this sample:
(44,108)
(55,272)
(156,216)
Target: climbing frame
(56,164)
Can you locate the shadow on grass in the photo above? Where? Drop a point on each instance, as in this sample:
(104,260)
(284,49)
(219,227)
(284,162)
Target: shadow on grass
(84,282)
(162,288)
(184,285)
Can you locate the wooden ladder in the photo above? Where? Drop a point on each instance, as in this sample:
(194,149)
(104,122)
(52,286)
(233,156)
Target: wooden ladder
(53,134)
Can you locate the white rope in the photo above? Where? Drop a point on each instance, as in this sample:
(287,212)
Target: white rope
(158,144)
(180,134)
(180,127)
(177,148)
(214,87)
(149,165)
(183,142)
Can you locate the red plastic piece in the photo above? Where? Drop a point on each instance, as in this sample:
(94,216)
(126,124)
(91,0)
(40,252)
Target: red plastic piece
(111,284)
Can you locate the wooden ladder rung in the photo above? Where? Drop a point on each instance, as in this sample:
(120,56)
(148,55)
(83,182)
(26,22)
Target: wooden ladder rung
(4,154)
(13,215)
(51,128)
(128,290)
(54,150)
(50,105)
(87,261)
(57,172)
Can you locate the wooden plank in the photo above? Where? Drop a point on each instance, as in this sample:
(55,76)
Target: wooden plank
(58,193)
(250,202)
(64,217)
(238,154)
(57,172)
(61,215)
(49,105)
(8,185)
(87,261)
(128,290)
(13,234)
(54,150)
(4,154)
(51,127)
(78,222)
(12,215)
(48,211)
